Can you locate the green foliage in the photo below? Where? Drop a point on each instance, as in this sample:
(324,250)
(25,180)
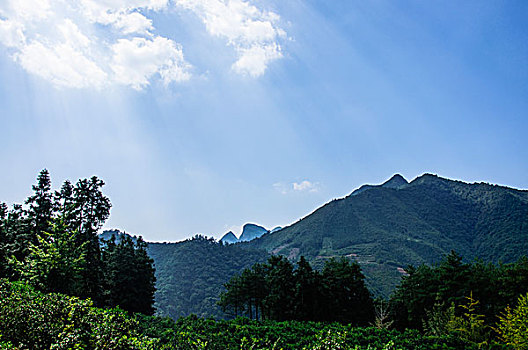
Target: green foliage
(344,294)
(513,324)
(54,246)
(338,293)
(190,274)
(89,212)
(382,319)
(55,263)
(129,275)
(428,291)
(40,204)
(195,333)
(471,324)
(33,320)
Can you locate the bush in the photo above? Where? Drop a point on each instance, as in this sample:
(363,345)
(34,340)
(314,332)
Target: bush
(33,320)
(513,325)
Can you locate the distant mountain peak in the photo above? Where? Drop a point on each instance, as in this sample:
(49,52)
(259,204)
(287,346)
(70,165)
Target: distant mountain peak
(395,181)
(250,226)
(251,231)
(229,238)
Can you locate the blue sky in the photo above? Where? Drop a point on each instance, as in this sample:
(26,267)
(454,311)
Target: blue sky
(202,115)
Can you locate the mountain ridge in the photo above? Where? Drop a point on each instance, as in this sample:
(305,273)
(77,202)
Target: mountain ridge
(386,228)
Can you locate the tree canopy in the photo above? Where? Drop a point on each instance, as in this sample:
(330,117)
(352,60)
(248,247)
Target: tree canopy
(52,243)
(276,290)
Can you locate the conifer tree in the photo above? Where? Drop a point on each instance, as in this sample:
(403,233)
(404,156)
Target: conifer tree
(306,291)
(129,275)
(41,209)
(91,209)
(346,298)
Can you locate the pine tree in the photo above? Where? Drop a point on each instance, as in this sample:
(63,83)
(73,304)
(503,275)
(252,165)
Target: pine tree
(346,297)
(279,279)
(41,205)
(65,203)
(306,291)
(129,275)
(90,210)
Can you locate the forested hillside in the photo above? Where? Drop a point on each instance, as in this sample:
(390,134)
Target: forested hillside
(386,228)
(190,274)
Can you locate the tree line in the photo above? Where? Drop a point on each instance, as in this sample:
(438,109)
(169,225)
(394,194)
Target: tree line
(470,300)
(52,243)
(440,298)
(277,291)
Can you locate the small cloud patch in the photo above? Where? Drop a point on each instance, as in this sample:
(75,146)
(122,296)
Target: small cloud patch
(303,186)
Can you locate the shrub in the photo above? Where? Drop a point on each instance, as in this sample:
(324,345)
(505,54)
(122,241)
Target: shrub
(33,320)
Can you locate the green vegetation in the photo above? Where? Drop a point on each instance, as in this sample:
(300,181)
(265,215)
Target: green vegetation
(62,287)
(513,324)
(278,292)
(429,291)
(190,274)
(241,333)
(33,320)
(388,228)
(53,245)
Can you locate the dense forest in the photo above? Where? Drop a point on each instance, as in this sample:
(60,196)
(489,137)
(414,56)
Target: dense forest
(190,274)
(64,287)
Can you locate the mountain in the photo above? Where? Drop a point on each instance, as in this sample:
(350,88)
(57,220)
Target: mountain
(229,238)
(397,181)
(190,275)
(384,227)
(251,231)
(390,226)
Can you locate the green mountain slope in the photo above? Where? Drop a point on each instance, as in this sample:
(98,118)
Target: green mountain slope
(190,274)
(391,226)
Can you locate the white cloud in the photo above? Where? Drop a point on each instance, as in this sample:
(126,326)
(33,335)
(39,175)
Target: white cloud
(69,43)
(96,43)
(135,61)
(129,23)
(61,64)
(253,33)
(305,186)
(11,33)
(254,61)
(31,9)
